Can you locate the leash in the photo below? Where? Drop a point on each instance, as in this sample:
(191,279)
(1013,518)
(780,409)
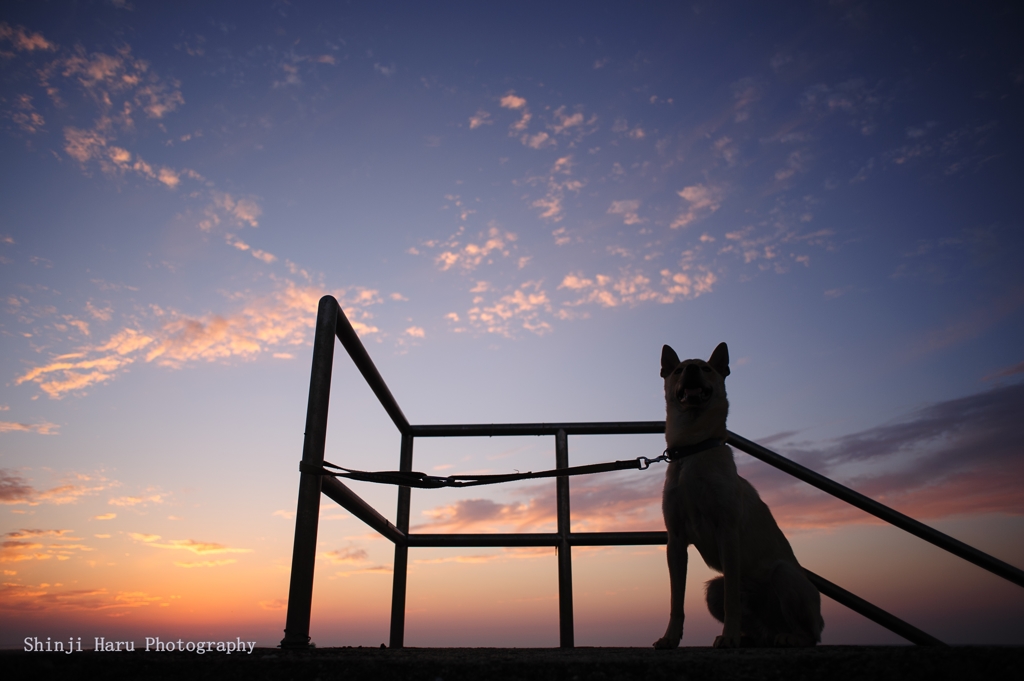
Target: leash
(424,481)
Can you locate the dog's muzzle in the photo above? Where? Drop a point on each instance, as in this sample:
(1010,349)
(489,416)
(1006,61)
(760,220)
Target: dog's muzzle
(692,390)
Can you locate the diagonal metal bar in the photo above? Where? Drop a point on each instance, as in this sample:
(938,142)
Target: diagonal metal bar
(872,612)
(918,529)
(350,340)
(354,504)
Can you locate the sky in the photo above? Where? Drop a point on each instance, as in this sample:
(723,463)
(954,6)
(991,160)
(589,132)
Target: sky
(516,207)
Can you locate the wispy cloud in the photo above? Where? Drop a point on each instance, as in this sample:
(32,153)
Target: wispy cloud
(23,40)
(145,500)
(44,598)
(34,544)
(558,181)
(198,547)
(628,210)
(44,428)
(504,313)
(116,91)
(516,103)
(955,457)
(15,489)
(702,200)
(469,256)
(480,118)
(280,320)
(632,287)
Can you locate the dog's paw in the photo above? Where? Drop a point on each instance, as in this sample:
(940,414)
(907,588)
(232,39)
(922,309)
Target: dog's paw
(724,641)
(666,643)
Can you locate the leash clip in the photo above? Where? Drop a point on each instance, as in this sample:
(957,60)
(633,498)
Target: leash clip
(644,463)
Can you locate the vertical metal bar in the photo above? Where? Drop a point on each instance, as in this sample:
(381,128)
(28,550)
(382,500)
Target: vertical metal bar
(401,564)
(565,625)
(307,512)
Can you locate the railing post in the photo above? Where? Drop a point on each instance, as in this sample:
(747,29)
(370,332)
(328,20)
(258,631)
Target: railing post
(565,625)
(401,565)
(307,512)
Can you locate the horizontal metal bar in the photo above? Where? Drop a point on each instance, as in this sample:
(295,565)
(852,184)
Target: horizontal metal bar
(537,539)
(355,505)
(618,538)
(872,612)
(918,529)
(504,429)
(350,340)
(481,540)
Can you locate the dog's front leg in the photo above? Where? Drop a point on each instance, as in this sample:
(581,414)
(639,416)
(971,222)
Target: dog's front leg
(729,546)
(677,558)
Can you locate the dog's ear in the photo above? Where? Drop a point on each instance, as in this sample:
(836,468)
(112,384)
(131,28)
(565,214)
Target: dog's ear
(669,360)
(720,360)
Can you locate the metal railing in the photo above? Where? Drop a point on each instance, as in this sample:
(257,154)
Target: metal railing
(331,323)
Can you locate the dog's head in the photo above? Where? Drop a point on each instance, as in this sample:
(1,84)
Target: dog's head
(695,393)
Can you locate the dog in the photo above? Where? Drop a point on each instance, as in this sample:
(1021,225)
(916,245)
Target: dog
(763,596)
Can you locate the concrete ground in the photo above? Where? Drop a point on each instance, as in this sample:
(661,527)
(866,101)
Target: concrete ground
(832,663)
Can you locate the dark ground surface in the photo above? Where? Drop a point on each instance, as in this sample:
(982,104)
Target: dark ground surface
(833,663)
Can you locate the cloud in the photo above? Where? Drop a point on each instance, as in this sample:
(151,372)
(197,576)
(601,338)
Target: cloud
(522,308)
(478,119)
(24,41)
(630,502)
(469,256)
(852,98)
(24,598)
(226,208)
(702,200)
(628,211)
(955,457)
(136,501)
(621,125)
(255,252)
(1006,372)
(24,545)
(976,322)
(14,489)
(117,90)
(563,122)
(415,332)
(512,101)
(277,321)
(198,547)
(632,287)
(538,140)
(744,93)
(516,103)
(25,116)
(349,556)
(44,428)
(558,181)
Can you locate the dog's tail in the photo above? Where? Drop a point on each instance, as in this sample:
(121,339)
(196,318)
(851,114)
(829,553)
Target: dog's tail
(714,594)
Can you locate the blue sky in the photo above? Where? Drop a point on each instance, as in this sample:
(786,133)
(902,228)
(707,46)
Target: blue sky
(517,207)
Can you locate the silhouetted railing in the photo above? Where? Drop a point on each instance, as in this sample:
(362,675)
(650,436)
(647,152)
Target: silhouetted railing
(331,322)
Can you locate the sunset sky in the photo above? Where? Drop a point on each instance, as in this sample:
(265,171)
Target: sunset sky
(516,206)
